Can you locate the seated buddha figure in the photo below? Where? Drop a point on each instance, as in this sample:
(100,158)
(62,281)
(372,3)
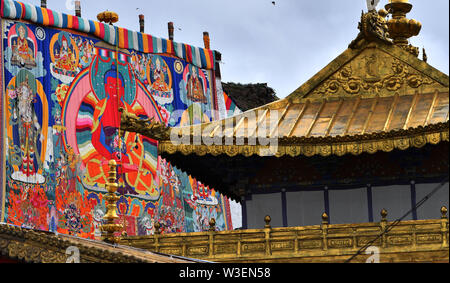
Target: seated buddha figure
(22,54)
(159,77)
(105,131)
(195,88)
(65,57)
(86,52)
(106,116)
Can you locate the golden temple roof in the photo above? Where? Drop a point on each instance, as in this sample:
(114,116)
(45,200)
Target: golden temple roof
(375,96)
(33,246)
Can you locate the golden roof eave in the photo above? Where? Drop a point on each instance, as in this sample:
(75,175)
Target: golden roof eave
(339,146)
(328,127)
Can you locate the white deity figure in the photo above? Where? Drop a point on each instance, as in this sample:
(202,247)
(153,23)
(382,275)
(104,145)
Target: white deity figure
(29,130)
(147,223)
(97,219)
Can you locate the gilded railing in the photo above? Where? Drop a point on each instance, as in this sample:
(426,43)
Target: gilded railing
(408,241)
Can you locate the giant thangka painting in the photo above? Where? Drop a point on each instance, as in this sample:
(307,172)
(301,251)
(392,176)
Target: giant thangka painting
(62,91)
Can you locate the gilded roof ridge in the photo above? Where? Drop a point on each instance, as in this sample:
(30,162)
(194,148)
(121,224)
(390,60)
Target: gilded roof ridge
(51,247)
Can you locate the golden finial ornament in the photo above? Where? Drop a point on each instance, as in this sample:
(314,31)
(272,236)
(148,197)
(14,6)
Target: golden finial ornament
(110,227)
(384,214)
(267,219)
(325,218)
(108,17)
(212,224)
(157,227)
(400,27)
(443,212)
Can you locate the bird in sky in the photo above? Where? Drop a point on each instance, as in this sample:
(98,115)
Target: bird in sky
(273,2)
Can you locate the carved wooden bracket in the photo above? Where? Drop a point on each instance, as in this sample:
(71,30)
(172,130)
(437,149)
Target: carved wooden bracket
(146,127)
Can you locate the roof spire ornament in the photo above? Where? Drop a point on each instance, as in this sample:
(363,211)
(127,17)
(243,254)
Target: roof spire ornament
(424,55)
(372,26)
(400,27)
(108,17)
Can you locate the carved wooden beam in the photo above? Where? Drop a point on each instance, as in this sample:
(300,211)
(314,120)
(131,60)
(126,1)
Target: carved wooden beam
(146,127)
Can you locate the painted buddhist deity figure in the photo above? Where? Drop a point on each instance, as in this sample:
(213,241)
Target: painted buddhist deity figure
(28,128)
(94,101)
(52,218)
(22,53)
(107,121)
(159,78)
(139,62)
(65,59)
(86,52)
(73,163)
(147,223)
(131,151)
(97,220)
(195,88)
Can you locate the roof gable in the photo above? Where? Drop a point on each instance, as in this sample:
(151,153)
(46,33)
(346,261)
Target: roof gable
(373,69)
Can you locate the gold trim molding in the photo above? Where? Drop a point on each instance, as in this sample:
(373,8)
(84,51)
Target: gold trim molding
(296,146)
(408,241)
(30,246)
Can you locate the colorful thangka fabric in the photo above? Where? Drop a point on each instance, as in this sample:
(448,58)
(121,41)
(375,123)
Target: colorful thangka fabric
(124,38)
(62,95)
(2,137)
(230,106)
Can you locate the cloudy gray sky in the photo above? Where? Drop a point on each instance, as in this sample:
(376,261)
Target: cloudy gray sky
(283,44)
